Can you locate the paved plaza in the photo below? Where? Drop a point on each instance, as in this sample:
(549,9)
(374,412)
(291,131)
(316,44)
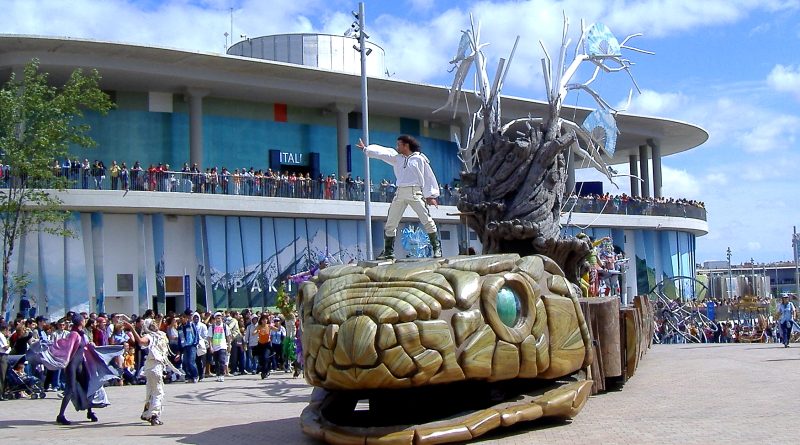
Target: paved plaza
(682,394)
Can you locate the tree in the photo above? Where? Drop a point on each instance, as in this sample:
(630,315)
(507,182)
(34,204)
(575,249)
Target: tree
(284,302)
(38,122)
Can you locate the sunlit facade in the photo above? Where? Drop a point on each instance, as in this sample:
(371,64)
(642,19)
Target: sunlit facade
(174,249)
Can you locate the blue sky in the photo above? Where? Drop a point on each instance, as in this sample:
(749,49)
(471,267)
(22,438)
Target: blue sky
(729,66)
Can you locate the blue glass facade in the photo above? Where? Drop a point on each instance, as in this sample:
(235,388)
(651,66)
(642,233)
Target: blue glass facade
(236,141)
(658,254)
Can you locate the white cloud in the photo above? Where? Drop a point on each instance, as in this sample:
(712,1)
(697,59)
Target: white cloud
(785,79)
(679,183)
(753,245)
(653,103)
(716,179)
(732,119)
(421,5)
(660,18)
(776,132)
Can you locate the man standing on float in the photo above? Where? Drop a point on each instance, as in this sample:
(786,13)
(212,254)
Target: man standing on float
(416,187)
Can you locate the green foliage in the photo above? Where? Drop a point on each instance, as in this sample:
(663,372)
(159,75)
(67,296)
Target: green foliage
(284,302)
(38,122)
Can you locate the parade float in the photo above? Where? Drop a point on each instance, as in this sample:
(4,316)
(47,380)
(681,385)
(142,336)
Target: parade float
(446,350)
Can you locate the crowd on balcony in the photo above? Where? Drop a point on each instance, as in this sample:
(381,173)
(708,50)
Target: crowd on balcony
(288,184)
(618,201)
(212,180)
(635,205)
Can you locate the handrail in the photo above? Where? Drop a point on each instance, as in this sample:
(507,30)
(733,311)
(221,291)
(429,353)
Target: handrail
(228,183)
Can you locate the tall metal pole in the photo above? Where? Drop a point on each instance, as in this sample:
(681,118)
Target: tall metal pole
(730,276)
(796,248)
(753,275)
(365,125)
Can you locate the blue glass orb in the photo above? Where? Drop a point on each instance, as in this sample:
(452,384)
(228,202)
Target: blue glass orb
(509,306)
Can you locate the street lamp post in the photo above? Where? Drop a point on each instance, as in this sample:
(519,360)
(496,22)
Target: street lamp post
(796,249)
(730,275)
(362,48)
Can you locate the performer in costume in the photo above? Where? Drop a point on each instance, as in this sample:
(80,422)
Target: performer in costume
(156,362)
(86,366)
(304,276)
(416,187)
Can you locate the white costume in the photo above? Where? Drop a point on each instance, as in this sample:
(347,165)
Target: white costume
(156,362)
(415,182)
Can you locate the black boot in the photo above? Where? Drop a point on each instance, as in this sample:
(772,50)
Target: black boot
(388,249)
(61,420)
(436,245)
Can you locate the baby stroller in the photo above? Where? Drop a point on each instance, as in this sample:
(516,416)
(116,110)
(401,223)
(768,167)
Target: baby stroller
(17,386)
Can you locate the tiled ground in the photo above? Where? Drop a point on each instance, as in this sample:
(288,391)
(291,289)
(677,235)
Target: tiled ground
(682,394)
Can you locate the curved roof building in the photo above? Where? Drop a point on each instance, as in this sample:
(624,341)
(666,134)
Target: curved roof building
(179,240)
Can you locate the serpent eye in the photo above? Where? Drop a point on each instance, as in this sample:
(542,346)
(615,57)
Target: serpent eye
(509,306)
(508,303)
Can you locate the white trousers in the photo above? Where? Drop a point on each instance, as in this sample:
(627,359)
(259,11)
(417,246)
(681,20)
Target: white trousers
(155,392)
(404,197)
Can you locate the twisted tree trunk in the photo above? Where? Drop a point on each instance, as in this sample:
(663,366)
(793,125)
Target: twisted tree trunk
(513,197)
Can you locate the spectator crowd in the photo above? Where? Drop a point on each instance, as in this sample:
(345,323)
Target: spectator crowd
(202,345)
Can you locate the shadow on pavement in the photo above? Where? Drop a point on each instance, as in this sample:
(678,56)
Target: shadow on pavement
(23,422)
(252,392)
(285,431)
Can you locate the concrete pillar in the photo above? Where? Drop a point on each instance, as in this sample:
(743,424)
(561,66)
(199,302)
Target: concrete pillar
(195,97)
(463,123)
(630,288)
(633,163)
(655,151)
(570,172)
(644,171)
(342,135)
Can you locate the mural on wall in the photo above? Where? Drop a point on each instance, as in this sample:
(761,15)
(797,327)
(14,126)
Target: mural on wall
(56,267)
(200,252)
(143,296)
(96,220)
(249,257)
(158,260)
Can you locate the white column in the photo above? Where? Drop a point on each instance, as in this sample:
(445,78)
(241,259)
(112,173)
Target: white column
(195,97)
(644,171)
(655,151)
(570,172)
(633,163)
(342,135)
(631,287)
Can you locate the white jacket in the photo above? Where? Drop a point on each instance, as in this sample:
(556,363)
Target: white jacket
(413,170)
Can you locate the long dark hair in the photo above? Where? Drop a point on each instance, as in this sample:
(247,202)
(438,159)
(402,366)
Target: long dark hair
(413,144)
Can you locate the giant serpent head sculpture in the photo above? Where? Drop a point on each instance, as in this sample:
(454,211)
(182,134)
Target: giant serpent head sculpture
(440,350)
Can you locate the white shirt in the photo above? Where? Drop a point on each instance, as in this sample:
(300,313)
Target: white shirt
(58,334)
(412,170)
(4,346)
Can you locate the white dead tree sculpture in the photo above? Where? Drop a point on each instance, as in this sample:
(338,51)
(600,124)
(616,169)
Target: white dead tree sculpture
(514,177)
